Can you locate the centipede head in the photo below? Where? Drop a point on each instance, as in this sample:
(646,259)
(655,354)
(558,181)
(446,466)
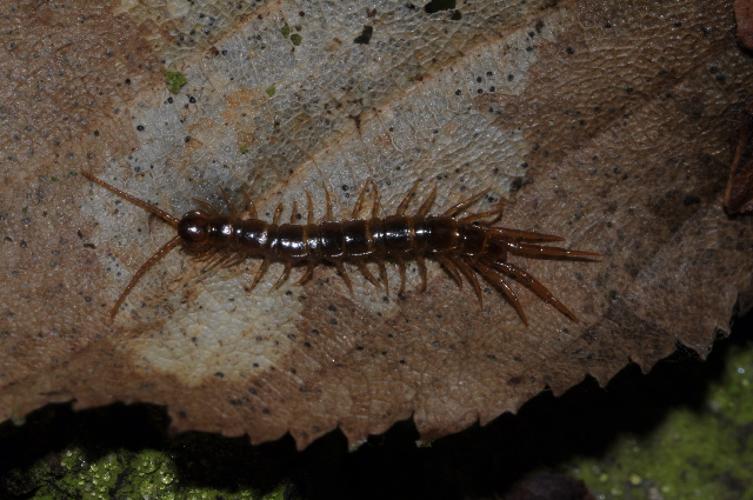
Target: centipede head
(193,228)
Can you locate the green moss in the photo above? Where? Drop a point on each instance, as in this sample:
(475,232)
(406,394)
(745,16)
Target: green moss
(243,149)
(285,30)
(122,474)
(175,81)
(271,90)
(690,454)
(83,478)
(296,39)
(152,475)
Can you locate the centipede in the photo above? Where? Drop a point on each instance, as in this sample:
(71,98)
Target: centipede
(470,246)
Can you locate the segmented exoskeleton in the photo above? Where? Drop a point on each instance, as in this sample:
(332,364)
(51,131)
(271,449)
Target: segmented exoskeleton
(466,246)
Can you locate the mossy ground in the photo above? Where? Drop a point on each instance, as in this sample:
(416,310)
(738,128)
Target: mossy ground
(704,452)
(683,431)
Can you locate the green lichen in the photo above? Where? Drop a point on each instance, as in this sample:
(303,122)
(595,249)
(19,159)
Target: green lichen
(243,149)
(694,453)
(175,81)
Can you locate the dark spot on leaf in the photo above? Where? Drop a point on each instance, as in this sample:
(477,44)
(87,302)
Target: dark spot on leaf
(691,200)
(365,35)
(437,5)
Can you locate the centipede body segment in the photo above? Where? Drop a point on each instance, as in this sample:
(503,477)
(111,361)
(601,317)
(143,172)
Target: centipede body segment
(469,246)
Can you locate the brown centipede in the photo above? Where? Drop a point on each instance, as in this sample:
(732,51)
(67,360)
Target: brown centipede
(468,246)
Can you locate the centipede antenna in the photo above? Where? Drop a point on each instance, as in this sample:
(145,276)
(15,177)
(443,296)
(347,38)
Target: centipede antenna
(142,270)
(166,217)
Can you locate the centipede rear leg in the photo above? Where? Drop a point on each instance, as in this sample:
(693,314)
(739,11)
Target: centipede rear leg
(498,282)
(466,268)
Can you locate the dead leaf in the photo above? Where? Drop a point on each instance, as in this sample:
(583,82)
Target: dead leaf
(738,196)
(607,123)
(744,16)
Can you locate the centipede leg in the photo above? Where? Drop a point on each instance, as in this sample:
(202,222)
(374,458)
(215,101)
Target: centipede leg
(206,256)
(284,277)
(524,236)
(422,271)
(307,274)
(423,210)
(470,275)
(544,252)
(451,269)
(294,212)
(383,276)
(328,205)
(249,206)
(408,197)
(496,213)
(237,259)
(226,200)
(499,283)
(259,273)
(218,260)
(344,275)
(401,268)
(277,214)
(359,202)
(375,203)
(309,209)
(206,206)
(367,274)
(534,285)
(465,204)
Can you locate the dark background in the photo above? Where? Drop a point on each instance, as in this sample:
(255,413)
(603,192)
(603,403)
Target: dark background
(479,462)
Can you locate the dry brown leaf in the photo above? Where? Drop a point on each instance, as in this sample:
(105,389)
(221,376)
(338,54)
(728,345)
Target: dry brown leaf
(744,16)
(610,123)
(738,195)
